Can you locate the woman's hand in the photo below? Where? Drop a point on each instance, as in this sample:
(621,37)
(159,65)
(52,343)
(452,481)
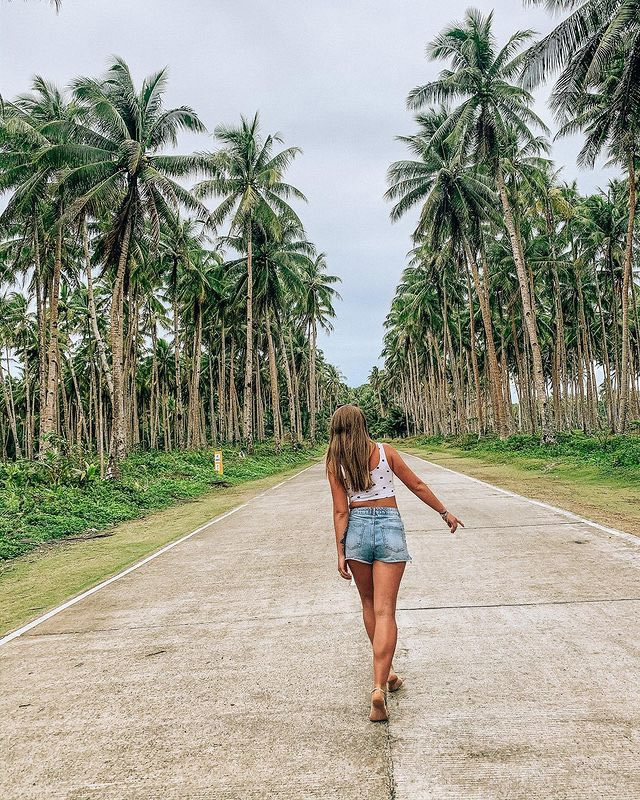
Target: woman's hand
(343,569)
(453,522)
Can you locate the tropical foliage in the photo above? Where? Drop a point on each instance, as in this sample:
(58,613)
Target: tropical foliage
(519,309)
(133,314)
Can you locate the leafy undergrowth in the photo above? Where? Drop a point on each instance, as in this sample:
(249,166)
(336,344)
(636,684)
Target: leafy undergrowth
(58,499)
(616,457)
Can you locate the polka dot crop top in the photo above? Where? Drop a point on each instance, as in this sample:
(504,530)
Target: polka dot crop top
(382,478)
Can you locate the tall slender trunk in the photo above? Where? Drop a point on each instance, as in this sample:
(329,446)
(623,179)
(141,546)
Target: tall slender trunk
(296,392)
(28,430)
(42,333)
(222,392)
(474,357)
(9,406)
(193,427)
(290,397)
(626,281)
(275,391)
(155,389)
(494,371)
(93,316)
(248,366)
(548,435)
(118,432)
(179,422)
(53,367)
(82,422)
(213,428)
(312,381)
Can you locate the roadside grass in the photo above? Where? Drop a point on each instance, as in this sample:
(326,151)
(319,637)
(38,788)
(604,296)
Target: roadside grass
(597,477)
(58,569)
(61,498)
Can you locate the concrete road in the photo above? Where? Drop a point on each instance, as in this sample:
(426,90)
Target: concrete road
(234,666)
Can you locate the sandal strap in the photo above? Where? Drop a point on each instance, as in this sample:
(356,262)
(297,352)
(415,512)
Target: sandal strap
(378,689)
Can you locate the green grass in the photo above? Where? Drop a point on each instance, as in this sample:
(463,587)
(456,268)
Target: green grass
(59,499)
(594,476)
(612,455)
(59,569)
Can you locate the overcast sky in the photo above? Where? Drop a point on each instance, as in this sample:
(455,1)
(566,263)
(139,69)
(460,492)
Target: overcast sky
(331,75)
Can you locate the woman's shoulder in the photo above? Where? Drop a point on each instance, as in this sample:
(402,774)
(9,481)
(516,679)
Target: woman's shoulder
(389,450)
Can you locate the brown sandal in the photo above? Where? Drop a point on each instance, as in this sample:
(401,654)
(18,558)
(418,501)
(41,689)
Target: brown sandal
(396,684)
(379,711)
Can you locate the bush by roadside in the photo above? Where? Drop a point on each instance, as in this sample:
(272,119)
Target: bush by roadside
(61,497)
(613,455)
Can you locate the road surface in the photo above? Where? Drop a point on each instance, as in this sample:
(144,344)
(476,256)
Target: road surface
(234,666)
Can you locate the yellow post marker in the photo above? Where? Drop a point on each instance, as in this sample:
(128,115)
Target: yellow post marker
(217,462)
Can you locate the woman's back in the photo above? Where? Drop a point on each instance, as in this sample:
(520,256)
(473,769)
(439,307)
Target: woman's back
(382,477)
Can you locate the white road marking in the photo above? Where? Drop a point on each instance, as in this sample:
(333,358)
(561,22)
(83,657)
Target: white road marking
(623,534)
(14,634)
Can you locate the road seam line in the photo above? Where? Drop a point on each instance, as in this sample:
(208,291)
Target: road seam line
(67,604)
(529,604)
(575,517)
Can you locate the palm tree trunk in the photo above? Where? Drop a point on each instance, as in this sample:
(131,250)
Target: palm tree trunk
(312,381)
(290,394)
(222,391)
(155,389)
(118,433)
(42,333)
(548,435)
(212,407)
(193,426)
(248,367)
(275,392)
(474,356)
(28,432)
(179,423)
(53,367)
(626,281)
(102,350)
(9,406)
(494,371)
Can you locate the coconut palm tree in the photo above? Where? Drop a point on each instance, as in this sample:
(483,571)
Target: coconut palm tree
(317,308)
(248,176)
(609,124)
(126,172)
(455,199)
(492,110)
(597,50)
(36,125)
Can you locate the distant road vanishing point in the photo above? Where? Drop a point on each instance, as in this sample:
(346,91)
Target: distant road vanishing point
(235,666)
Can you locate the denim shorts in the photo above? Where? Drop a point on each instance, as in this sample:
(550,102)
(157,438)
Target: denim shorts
(376,533)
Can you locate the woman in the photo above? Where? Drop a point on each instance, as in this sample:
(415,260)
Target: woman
(370,535)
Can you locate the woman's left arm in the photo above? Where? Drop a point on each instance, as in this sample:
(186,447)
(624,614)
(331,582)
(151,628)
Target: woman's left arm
(419,487)
(340,522)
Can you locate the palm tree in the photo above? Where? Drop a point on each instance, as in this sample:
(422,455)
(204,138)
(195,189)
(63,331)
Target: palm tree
(492,110)
(317,309)
(126,172)
(455,200)
(597,49)
(197,283)
(36,125)
(249,177)
(279,257)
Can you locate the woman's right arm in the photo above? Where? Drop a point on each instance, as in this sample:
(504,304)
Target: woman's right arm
(340,522)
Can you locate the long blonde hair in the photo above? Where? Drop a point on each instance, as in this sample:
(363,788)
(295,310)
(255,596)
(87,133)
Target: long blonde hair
(350,449)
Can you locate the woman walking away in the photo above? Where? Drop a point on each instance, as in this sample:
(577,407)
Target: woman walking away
(370,535)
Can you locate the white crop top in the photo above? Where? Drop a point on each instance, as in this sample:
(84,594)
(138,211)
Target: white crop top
(382,478)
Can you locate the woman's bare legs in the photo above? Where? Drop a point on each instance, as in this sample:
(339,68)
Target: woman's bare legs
(377,604)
